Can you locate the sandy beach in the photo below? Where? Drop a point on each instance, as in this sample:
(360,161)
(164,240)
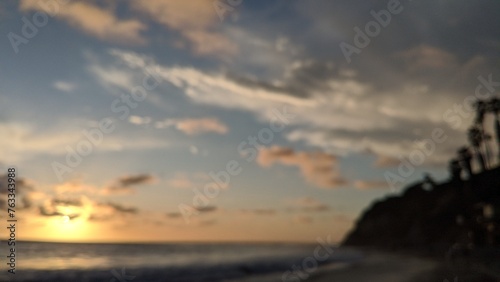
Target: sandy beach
(379,267)
(384,267)
(374,267)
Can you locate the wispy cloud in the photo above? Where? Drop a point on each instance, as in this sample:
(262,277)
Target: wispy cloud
(194,126)
(426,57)
(94,20)
(126,184)
(137,120)
(194,21)
(64,86)
(264,212)
(370,184)
(307,204)
(110,210)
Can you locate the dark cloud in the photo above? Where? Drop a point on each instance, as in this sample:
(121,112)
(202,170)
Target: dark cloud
(67,202)
(207,209)
(201,210)
(22,189)
(22,185)
(44,211)
(301,80)
(120,208)
(388,144)
(127,181)
(125,184)
(454,40)
(109,210)
(259,211)
(174,215)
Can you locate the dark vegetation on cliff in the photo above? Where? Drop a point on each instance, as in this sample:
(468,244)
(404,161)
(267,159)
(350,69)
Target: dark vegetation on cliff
(459,215)
(432,221)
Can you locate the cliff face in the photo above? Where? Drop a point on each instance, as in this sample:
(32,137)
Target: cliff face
(432,220)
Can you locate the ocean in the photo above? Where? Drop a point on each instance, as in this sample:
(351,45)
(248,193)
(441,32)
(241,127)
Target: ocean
(64,262)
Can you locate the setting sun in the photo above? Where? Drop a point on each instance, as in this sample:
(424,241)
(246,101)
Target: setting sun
(65,219)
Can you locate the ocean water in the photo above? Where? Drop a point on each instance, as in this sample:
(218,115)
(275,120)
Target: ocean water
(66,262)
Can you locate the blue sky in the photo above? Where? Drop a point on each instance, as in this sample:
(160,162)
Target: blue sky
(222,80)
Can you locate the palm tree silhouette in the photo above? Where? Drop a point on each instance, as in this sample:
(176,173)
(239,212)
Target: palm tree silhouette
(465,158)
(481,110)
(494,108)
(455,169)
(476,139)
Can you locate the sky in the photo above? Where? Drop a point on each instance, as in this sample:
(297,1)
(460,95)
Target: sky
(279,120)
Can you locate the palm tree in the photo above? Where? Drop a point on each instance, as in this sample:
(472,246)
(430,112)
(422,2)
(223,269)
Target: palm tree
(494,108)
(455,169)
(476,139)
(465,158)
(481,110)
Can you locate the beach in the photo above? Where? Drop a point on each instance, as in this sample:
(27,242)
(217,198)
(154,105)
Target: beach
(64,262)
(374,267)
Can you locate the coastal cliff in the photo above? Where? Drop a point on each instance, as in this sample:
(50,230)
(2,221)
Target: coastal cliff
(433,219)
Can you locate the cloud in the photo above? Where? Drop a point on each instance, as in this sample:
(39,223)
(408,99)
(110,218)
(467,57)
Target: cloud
(73,208)
(209,88)
(336,109)
(126,184)
(67,202)
(425,57)
(320,169)
(94,20)
(109,210)
(27,140)
(386,161)
(267,212)
(207,209)
(74,186)
(370,184)
(200,210)
(308,204)
(22,185)
(139,120)
(174,215)
(194,126)
(45,212)
(189,126)
(203,125)
(23,189)
(64,86)
(194,21)
(121,209)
